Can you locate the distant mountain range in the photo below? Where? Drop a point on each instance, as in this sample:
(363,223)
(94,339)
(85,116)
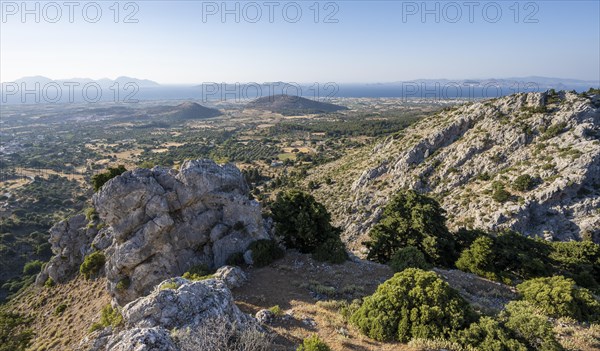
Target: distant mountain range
(104,82)
(235,92)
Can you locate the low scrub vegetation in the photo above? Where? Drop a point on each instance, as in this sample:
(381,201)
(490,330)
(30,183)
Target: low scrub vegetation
(313,343)
(264,252)
(92,264)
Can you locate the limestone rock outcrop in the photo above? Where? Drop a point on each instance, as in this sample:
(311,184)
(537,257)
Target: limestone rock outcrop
(173,304)
(461,153)
(164,222)
(71,241)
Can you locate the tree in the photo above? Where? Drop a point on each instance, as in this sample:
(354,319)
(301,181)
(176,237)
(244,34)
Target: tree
(304,224)
(412,304)
(479,258)
(408,257)
(412,219)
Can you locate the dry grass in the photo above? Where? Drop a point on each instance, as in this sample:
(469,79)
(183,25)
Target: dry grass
(62,331)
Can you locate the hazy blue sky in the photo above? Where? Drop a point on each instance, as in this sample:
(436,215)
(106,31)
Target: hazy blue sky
(372,41)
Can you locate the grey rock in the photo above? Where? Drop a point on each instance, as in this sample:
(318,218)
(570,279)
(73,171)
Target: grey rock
(233,277)
(173,304)
(248,257)
(264,316)
(71,241)
(162,222)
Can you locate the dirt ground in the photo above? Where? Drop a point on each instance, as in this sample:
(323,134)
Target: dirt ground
(305,290)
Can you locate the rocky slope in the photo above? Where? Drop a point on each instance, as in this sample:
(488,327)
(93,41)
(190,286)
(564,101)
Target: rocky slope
(288,104)
(463,155)
(159,224)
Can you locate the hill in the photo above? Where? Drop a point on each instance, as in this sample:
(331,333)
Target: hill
(529,162)
(292,105)
(185,111)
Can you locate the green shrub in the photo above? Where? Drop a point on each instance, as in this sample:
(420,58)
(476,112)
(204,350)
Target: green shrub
(579,261)
(108,317)
(276,310)
(92,264)
(479,258)
(523,183)
(488,334)
(332,250)
(15,334)
(90,214)
(235,259)
(499,193)
(412,304)
(264,252)
(554,130)
(60,309)
(49,283)
(412,219)
(301,221)
(408,257)
(123,284)
(313,343)
(506,256)
(198,272)
(32,267)
(560,297)
(530,326)
(172,285)
(98,180)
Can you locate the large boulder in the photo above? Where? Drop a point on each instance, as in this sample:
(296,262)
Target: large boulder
(173,304)
(163,222)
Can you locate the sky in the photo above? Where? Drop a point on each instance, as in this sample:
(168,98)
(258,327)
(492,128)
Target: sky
(190,42)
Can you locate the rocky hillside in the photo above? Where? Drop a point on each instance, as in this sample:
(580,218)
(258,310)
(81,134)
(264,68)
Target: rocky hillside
(529,162)
(290,105)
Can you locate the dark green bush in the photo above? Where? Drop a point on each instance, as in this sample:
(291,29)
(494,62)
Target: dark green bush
(98,180)
(332,250)
(313,343)
(32,267)
(500,194)
(560,297)
(301,221)
(488,334)
(523,183)
(412,304)
(579,261)
(92,264)
(408,257)
(235,259)
(412,219)
(479,258)
(265,251)
(506,256)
